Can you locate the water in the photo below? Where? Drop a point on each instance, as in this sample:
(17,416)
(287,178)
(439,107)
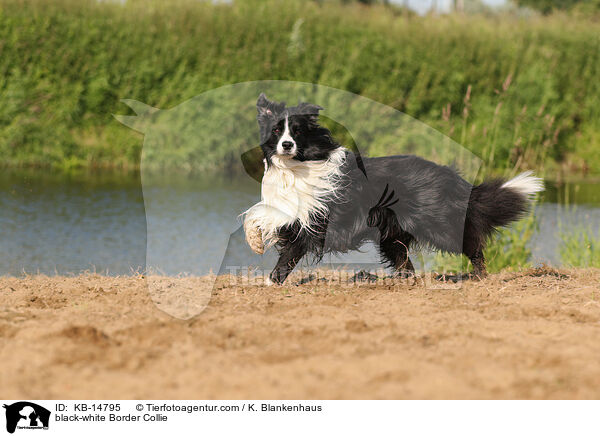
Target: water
(59,224)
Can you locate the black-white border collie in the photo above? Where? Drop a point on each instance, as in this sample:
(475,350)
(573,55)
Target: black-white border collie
(317,197)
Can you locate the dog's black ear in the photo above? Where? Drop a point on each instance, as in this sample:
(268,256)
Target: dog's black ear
(269,108)
(263,105)
(308,108)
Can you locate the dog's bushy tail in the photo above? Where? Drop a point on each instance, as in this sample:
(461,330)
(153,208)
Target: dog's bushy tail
(496,203)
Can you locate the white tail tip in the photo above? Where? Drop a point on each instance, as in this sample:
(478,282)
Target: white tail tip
(526,184)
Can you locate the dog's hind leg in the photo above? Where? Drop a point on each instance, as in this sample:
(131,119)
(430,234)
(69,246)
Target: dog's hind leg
(394,249)
(474,251)
(478,261)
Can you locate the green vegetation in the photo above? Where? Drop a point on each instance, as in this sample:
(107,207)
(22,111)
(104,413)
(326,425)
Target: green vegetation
(547,6)
(518,93)
(580,244)
(580,248)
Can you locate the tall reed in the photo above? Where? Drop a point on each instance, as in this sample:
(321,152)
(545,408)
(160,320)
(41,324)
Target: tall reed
(518,93)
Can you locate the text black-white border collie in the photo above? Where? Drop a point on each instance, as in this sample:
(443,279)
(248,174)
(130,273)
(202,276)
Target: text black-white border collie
(319,198)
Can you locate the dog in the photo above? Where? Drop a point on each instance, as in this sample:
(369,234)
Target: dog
(317,197)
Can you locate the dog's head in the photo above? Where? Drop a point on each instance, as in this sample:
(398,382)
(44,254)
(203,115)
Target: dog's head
(292,132)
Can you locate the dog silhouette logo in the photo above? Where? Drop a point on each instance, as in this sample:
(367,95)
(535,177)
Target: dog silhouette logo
(26,415)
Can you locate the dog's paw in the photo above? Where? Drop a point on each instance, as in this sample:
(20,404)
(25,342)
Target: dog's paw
(254,239)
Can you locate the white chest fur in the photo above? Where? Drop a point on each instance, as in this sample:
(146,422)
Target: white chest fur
(294,190)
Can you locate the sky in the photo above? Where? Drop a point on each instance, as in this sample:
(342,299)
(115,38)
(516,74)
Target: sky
(422,6)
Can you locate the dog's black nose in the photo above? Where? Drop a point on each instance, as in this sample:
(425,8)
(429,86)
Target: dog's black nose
(287,145)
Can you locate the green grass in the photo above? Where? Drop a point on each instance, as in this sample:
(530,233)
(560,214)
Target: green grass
(580,244)
(580,248)
(519,93)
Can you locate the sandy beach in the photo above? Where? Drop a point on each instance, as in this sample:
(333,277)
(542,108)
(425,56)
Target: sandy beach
(529,334)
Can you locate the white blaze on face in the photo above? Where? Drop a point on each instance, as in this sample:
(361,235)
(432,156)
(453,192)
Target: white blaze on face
(286,137)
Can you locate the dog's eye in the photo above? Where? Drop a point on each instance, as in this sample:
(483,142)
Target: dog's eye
(276,130)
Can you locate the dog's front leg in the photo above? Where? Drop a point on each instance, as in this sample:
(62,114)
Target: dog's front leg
(289,256)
